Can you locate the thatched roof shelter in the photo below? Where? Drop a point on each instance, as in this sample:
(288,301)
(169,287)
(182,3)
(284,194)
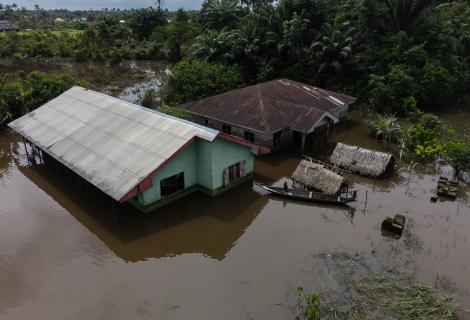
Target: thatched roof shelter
(362,161)
(316,176)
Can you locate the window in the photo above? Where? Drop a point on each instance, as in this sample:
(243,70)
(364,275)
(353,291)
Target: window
(172,184)
(235,172)
(277,138)
(250,136)
(226,129)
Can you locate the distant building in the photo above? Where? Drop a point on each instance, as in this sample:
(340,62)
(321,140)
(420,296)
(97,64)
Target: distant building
(274,114)
(59,20)
(6,26)
(132,153)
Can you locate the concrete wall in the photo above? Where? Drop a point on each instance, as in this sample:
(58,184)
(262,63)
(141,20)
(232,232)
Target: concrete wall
(203,164)
(183,162)
(225,154)
(260,138)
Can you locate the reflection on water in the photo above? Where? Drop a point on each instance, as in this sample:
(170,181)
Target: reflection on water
(218,222)
(239,255)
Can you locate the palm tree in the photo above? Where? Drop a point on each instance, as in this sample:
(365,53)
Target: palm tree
(220,14)
(333,49)
(399,15)
(160,4)
(214,46)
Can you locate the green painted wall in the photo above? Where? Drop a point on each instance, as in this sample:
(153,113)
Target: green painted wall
(203,164)
(185,161)
(225,154)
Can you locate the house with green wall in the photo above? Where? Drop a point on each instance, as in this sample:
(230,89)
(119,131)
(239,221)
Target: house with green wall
(134,154)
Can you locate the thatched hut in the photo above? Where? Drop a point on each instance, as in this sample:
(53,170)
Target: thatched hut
(317,176)
(362,161)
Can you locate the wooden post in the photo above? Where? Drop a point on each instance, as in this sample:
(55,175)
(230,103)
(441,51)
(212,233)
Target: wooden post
(113,211)
(26,150)
(303,141)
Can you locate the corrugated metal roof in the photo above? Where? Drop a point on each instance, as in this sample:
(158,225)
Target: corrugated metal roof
(272,106)
(111,143)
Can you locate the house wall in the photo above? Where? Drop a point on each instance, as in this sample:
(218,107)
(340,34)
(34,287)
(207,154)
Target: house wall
(183,162)
(260,138)
(316,139)
(225,154)
(203,164)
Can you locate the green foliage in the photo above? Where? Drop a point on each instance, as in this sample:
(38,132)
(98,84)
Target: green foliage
(333,49)
(220,14)
(149,99)
(196,79)
(144,21)
(175,112)
(309,304)
(385,127)
(173,40)
(457,154)
(33,90)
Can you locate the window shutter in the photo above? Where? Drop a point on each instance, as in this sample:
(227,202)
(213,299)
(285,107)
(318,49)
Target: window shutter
(226,177)
(243,168)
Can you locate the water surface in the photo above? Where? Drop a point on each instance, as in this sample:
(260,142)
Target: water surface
(237,256)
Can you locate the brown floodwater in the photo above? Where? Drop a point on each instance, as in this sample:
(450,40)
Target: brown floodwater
(238,256)
(126,80)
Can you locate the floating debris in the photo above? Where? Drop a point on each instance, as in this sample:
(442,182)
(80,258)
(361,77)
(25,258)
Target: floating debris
(393,226)
(447,188)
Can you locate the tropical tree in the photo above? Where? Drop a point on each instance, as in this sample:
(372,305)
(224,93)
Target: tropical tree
(333,48)
(220,14)
(398,15)
(144,21)
(196,79)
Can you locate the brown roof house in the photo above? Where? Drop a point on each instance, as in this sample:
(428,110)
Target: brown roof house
(274,114)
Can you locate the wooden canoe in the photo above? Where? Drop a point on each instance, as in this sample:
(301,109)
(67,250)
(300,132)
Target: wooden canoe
(310,196)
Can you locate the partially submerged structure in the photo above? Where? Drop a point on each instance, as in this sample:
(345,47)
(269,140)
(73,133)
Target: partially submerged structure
(363,161)
(134,154)
(317,176)
(6,26)
(274,114)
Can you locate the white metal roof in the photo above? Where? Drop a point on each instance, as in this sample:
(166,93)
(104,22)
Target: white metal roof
(111,143)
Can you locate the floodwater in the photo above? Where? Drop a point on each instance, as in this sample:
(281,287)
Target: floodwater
(237,256)
(127,80)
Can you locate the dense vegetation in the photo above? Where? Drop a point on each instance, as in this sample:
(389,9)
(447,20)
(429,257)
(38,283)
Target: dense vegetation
(31,91)
(401,57)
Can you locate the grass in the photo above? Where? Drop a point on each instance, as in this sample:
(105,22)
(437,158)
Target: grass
(400,296)
(389,295)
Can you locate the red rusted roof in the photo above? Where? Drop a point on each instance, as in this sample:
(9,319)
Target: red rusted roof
(272,106)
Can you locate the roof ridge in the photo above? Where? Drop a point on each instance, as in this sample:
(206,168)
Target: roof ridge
(149,110)
(261,107)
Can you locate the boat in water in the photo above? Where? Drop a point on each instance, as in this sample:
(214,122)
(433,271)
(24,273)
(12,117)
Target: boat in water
(310,196)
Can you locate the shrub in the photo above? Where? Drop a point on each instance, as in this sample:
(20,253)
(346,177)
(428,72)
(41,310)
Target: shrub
(385,127)
(457,154)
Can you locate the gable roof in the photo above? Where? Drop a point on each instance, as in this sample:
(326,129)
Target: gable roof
(111,143)
(272,106)
(5,25)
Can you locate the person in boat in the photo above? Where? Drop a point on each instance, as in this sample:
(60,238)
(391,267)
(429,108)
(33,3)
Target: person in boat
(286,187)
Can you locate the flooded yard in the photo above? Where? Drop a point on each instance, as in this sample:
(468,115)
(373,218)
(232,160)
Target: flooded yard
(238,256)
(126,80)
